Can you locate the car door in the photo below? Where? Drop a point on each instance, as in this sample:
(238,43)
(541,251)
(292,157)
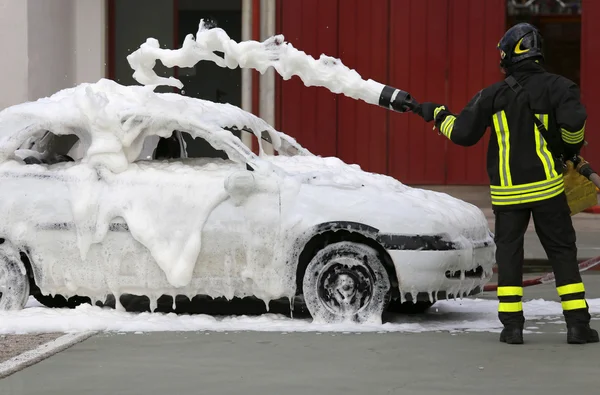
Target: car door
(226,213)
(44,191)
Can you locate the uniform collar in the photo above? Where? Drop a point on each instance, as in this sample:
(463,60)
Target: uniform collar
(525,67)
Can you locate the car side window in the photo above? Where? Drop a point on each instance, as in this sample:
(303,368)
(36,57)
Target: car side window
(178,145)
(200,148)
(51,148)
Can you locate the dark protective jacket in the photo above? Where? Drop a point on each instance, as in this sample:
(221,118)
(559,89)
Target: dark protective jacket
(522,169)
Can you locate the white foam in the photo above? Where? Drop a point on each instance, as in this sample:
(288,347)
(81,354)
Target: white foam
(274,52)
(470,315)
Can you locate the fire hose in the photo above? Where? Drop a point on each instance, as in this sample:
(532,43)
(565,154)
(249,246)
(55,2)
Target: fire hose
(547,277)
(401,101)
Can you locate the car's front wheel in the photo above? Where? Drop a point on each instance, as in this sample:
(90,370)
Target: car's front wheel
(14,283)
(346,282)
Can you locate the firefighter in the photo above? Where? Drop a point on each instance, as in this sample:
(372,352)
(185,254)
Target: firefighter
(526,173)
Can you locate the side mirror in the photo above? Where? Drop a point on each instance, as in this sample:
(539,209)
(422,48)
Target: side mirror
(239,185)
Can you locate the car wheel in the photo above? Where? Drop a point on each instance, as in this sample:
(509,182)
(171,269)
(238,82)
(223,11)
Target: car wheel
(346,282)
(59,301)
(14,282)
(396,306)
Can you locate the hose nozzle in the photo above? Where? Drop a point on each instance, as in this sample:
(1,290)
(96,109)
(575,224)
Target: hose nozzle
(396,100)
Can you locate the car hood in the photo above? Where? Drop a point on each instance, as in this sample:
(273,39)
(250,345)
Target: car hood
(333,190)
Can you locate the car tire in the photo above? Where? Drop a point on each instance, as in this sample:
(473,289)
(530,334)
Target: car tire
(14,282)
(396,306)
(58,301)
(346,282)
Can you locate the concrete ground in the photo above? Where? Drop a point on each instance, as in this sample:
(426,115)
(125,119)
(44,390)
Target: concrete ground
(586,225)
(298,363)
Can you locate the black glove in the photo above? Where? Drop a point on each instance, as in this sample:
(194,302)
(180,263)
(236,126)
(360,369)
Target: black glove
(425,110)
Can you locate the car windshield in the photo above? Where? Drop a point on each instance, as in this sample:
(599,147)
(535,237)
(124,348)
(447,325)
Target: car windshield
(288,146)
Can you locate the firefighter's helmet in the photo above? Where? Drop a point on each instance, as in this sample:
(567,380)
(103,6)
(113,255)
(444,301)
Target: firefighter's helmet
(520,42)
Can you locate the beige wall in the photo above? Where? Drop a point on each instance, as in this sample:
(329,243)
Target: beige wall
(49,45)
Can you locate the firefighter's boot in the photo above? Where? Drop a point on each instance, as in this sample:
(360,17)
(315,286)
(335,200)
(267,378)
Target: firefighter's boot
(581,334)
(512,335)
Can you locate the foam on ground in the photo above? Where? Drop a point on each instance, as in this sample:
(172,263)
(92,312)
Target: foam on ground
(471,315)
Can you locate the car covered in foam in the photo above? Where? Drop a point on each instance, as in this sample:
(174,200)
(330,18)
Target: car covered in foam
(108,190)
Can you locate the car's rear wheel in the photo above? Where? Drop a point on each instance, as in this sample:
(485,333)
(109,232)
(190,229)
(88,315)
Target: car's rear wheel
(14,283)
(346,282)
(58,301)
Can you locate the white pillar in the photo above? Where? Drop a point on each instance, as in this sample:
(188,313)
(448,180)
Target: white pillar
(247,73)
(267,80)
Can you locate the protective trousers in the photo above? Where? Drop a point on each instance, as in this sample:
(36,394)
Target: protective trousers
(555,231)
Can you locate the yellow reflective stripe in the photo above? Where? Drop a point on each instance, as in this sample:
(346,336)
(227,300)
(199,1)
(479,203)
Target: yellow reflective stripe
(503,136)
(528,194)
(448,125)
(542,148)
(510,291)
(570,289)
(445,123)
(573,137)
(510,307)
(528,197)
(507,161)
(526,188)
(574,304)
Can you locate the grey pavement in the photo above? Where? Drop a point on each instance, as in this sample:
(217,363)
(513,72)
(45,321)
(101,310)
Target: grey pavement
(586,225)
(309,363)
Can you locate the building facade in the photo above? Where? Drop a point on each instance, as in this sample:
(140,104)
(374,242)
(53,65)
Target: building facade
(438,50)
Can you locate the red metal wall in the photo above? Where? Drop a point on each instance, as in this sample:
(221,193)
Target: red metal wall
(474,29)
(363,45)
(439,50)
(309,114)
(417,63)
(590,83)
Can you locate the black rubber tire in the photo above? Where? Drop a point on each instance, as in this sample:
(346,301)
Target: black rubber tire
(60,302)
(14,292)
(346,267)
(409,307)
(57,301)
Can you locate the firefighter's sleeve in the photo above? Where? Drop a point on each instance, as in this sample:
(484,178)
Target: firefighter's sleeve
(469,126)
(571,117)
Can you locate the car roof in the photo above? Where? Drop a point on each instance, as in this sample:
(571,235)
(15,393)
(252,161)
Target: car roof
(106,114)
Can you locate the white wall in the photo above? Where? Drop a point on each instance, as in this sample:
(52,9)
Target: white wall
(91,31)
(49,45)
(13,49)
